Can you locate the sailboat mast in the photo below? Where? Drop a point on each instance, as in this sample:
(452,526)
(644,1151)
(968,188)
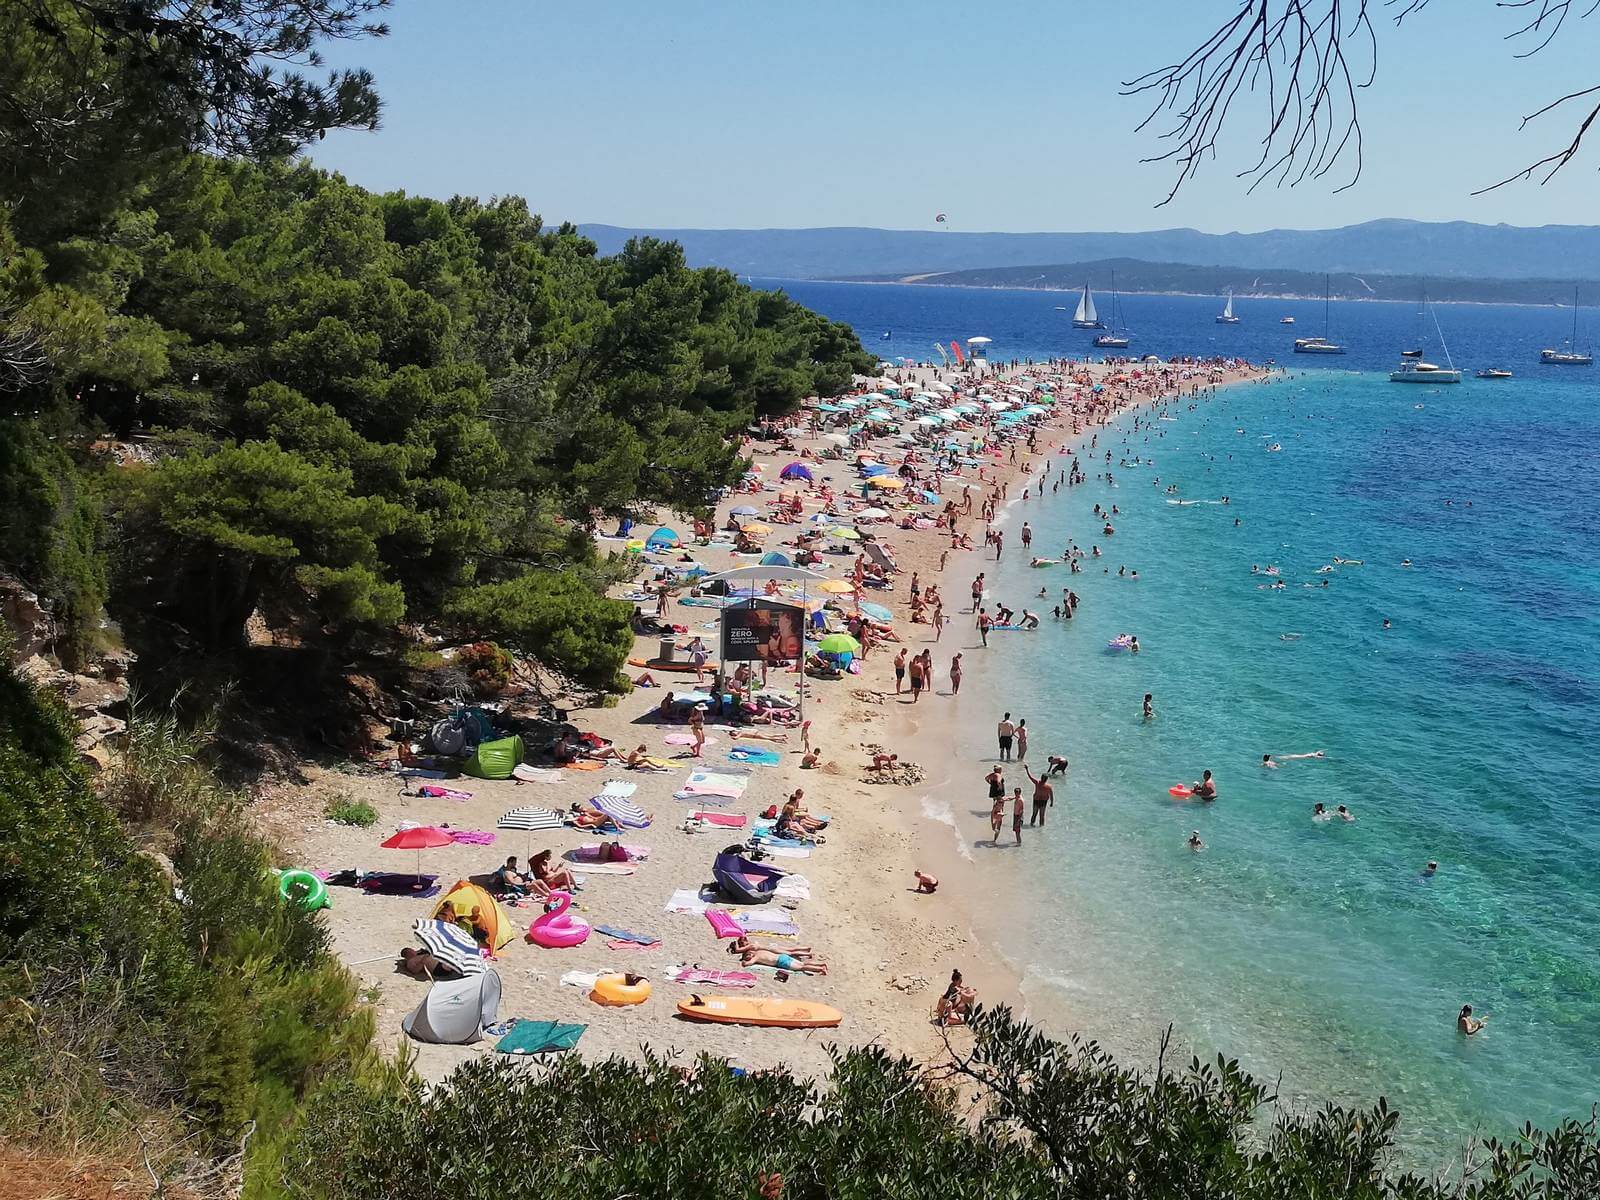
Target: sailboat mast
(1574,318)
(1325,308)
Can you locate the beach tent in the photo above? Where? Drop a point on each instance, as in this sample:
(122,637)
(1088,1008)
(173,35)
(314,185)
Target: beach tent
(743,881)
(796,470)
(454,1011)
(477,905)
(662,538)
(776,558)
(494,760)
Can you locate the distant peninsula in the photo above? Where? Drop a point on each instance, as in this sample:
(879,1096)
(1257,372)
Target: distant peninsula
(1137,276)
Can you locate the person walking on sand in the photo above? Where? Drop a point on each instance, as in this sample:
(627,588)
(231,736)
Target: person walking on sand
(1016,814)
(918,678)
(938,621)
(985,622)
(697,726)
(955,674)
(1043,797)
(899,670)
(1022,739)
(1004,733)
(977,592)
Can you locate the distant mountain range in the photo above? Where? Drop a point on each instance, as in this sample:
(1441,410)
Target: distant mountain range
(1134,275)
(1451,249)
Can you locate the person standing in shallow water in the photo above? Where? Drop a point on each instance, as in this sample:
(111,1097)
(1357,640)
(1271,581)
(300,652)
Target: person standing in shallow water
(1043,796)
(1016,814)
(1004,733)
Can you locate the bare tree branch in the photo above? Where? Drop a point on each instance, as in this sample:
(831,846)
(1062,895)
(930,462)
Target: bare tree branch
(1309,59)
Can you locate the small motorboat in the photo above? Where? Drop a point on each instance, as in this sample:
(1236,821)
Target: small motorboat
(1492,373)
(1285,320)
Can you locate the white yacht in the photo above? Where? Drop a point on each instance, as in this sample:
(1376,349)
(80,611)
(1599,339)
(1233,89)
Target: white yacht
(1086,317)
(1571,356)
(1413,370)
(1320,345)
(1227,317)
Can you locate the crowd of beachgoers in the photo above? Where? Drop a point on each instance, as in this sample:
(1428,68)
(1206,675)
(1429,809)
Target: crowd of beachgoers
(728,859)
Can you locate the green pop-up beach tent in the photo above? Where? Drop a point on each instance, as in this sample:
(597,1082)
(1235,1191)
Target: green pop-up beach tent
(494,760)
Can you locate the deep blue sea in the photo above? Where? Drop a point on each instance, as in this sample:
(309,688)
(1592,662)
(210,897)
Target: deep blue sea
(1464,733)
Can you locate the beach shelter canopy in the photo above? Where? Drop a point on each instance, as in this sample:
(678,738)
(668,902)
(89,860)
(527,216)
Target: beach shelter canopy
(496,759)
(796,470)
(663,537)
(744,881)
(839,643)
(455,1011)
(775,558)
(475,905)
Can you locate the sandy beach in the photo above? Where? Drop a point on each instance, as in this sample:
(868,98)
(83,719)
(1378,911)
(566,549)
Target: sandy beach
(889,950)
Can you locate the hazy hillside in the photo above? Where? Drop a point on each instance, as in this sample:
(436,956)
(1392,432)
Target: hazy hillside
(1439,249)
(1132,275)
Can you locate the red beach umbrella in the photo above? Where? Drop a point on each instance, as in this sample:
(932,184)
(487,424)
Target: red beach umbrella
(423,837)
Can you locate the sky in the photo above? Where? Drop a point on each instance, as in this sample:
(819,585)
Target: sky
(1004,115)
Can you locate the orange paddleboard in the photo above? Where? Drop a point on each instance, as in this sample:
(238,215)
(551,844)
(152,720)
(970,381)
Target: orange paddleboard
(760,1010)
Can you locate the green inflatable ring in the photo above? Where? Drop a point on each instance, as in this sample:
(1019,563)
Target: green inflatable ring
(303,888)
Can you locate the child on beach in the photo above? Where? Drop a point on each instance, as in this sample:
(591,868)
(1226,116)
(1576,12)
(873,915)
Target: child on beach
(1016,814)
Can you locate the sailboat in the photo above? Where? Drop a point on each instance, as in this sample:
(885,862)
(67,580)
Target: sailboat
(1116,338)
(1086,317)
(1571,356)
(1413,370)
(1320,345)
(1227,317)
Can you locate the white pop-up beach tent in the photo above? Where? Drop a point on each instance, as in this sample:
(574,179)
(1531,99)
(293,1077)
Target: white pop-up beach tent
(454,1011)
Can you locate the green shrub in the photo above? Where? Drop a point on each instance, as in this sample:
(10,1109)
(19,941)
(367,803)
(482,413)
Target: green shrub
(342,810)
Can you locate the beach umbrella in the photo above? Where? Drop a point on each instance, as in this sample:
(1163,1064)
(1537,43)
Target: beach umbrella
(839,643)
(796,470)
(845,532)
(837,587)
(838,439)
(929,420)
(937,386)
(423,837)
(979,341)
(450,944)
(849,402)
(624,812)
(529,818)
(879,414)
(899,403)
(892,482)
(873,514)
(744,510)
(871,396)
(755,528)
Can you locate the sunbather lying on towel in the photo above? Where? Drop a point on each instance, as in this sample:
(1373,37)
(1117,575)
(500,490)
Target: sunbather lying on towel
(793,958)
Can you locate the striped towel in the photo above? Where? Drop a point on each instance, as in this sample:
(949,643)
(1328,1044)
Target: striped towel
(450,943)
(724,784)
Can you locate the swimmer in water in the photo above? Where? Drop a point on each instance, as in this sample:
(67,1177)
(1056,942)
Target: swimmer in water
(1206,789)
(1320,812)
(1194,842)
(1429,871)
(1344,814)
(1149,706)
(1274,760)
(1386,624)
(1405,562)
(1468,1024)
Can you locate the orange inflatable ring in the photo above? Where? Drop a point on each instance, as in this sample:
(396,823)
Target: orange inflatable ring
(620,990)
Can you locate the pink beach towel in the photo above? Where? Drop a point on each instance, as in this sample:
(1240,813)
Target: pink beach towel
(730,820)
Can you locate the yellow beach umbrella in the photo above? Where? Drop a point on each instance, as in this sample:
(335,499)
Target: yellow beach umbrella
(756,527)
(845,532)
(892,482)
(837,586)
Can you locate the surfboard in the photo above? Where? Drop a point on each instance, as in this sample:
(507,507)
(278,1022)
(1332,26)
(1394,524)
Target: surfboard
(760,1010)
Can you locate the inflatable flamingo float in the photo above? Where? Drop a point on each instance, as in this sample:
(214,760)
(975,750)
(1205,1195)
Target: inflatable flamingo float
(556,928)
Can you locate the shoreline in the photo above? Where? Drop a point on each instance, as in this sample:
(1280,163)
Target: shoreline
(889,950)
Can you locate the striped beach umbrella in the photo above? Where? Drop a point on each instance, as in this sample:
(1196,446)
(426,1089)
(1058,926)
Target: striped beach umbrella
(624,812)
(530,819)
(451,944)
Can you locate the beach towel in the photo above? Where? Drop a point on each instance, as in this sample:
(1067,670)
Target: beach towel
(777,850)
(714,784)
(620,788)
(586,764)
(730,820)
(396,883)
(794,887)
(613,944)
(422,773)
(583,979)
(766,922)
(754,756)
(686,739)
(590,852)
(442,793)
(540,1037)
(627,935)
(471,837)
(732,979)
(624,812)
(685,900)
(529,774)
(603,869)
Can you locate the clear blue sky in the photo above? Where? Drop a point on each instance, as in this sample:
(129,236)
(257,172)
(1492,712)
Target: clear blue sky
(1005,115)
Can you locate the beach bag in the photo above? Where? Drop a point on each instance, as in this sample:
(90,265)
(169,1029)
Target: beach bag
(771,813)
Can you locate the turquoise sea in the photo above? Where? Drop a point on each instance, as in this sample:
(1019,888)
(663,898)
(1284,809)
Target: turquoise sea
(1461,734)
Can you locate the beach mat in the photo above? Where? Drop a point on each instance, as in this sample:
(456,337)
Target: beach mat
(398,883)
(540,1037)
(728,820)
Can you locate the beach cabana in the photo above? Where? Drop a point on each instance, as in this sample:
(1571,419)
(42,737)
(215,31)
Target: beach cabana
(796,470)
